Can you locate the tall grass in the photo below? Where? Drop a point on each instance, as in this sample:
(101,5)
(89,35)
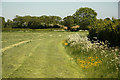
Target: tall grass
(97,60)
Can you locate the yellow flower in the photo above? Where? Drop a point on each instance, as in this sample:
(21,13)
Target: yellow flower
(92,59)
(65,44)
(99,61)
(81,65)
(89,57)
(91,63)
(88,62)
(96,62)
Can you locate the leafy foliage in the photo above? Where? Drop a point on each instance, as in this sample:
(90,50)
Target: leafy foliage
(33,22)
(106,30)
(84,17)
(2,22)
(69,21)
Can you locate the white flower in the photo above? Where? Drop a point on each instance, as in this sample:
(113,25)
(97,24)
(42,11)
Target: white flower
(106,55)
(116,50)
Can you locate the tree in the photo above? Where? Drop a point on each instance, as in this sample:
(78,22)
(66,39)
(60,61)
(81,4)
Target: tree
(50,21)
(84,17)
(35,22)
(107,18)
(18,21)
(26,21)
(2,22)
(9,24)
(68,21)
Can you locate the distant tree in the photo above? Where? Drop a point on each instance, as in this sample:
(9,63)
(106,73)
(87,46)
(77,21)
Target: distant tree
(68,21)
(36,22)
(50,20)
(114,20)
(26,21)
(18,21)
(84,17)
(107,19)
(9,24)
(2,22)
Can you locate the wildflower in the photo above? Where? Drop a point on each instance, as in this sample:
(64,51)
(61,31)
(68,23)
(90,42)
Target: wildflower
(81,65)
(117,68)
(112,60)
(92,59)
(116,50)
(95,64)
(95,37)
(116,57)
(91,63)
(106,55)
(65,44)
(88,62)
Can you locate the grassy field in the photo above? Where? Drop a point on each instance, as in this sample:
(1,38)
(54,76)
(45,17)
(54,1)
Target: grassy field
(41,56)
(53,55)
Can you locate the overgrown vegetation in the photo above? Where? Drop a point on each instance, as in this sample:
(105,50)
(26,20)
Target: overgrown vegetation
(106,29)
(95,59)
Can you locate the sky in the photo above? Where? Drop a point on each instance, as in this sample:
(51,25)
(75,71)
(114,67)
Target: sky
(60,0)
(119,10)
(11,8)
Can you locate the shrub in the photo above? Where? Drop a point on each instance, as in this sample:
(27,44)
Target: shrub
(106,30)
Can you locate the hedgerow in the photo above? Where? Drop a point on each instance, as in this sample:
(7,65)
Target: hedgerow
(106,30)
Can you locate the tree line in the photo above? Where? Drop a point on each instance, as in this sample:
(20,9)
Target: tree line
(82,17)
(33,22)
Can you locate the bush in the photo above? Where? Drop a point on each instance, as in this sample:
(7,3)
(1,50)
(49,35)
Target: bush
(106,30)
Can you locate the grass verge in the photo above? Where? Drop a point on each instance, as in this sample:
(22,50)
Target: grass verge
(95,59)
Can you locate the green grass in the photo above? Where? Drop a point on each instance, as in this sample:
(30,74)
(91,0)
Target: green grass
(42,57)
(45,56)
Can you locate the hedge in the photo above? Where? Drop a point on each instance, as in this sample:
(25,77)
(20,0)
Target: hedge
(106,30)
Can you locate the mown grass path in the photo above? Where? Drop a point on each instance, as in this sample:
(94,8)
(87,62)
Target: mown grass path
(43,57)
(11,46)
